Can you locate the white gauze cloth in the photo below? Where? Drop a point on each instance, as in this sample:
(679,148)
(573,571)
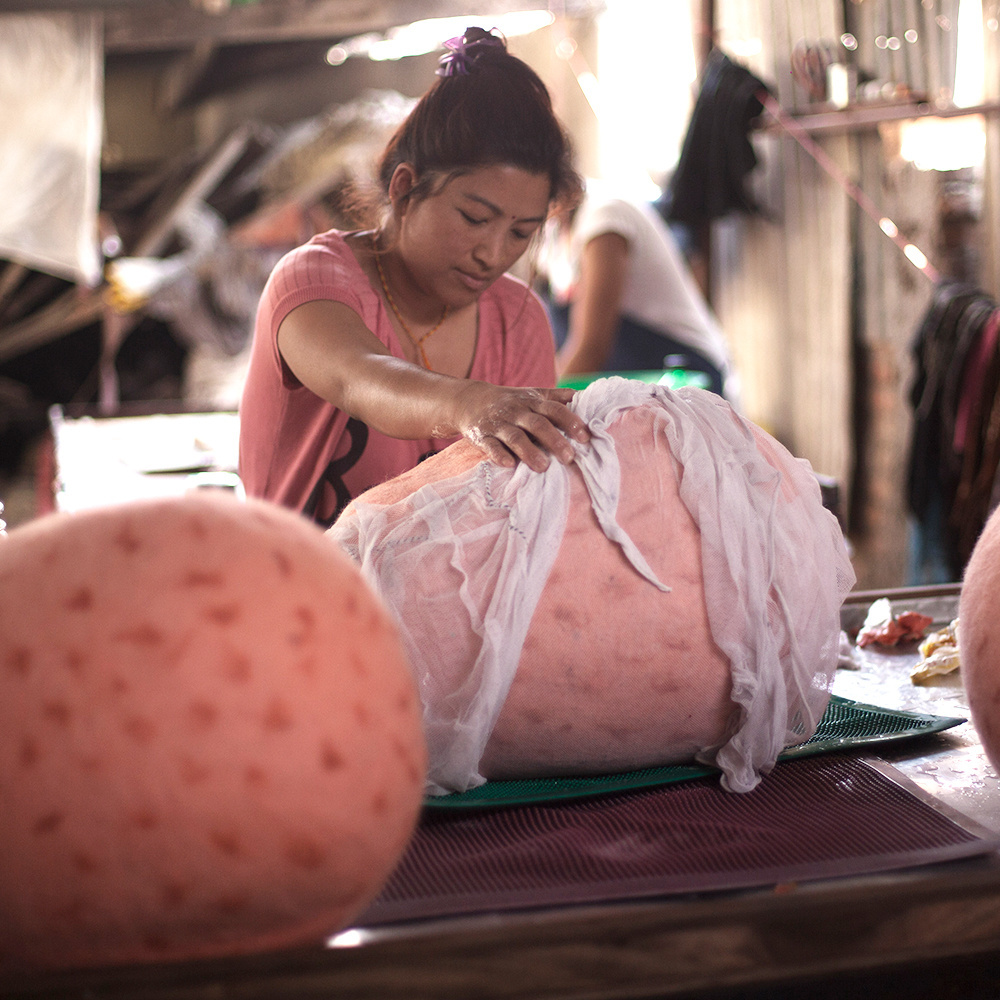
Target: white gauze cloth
(774,563)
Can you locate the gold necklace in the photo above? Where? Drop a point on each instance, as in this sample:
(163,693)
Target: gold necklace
(418,343)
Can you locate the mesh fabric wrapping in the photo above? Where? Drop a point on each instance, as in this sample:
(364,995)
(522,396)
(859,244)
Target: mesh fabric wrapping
(774,564)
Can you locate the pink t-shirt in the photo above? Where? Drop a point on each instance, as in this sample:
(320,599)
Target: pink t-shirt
(300,451)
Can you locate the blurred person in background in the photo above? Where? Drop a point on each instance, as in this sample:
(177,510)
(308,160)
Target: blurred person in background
(622,297)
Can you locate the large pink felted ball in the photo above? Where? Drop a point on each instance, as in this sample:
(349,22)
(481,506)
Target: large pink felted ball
(614,674)
(672,595)
(212,740)
(979,636)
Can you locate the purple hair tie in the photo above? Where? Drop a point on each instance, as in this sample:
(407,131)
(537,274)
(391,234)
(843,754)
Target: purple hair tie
(459,58)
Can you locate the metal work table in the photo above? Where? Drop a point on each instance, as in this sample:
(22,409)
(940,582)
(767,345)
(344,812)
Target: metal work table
(925,932)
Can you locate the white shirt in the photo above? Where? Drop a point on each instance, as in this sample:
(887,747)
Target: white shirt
(660,291)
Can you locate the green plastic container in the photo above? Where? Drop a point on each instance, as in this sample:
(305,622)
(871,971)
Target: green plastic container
(673,378)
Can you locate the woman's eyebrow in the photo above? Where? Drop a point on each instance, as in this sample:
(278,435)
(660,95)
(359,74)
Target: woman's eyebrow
(496,210)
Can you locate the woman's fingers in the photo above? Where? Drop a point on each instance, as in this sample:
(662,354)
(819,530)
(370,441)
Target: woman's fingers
(536,431)
(562,416)
(529,425)
(505,443)
(518,446)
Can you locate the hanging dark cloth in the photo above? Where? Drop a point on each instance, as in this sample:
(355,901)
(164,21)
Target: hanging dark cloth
(977,440)
(947,423)
(717,155)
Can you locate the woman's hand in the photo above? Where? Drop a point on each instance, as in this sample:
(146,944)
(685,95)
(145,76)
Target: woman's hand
(332,353)
(511,424)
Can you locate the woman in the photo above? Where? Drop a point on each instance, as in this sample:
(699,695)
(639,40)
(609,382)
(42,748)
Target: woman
(623,298)
(375,349)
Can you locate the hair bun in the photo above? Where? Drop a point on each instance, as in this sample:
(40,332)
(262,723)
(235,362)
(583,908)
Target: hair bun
(464,51)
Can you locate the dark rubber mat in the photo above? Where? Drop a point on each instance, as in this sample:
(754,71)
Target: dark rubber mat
(814,817)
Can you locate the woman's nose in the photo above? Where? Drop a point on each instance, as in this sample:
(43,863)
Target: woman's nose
(489,250)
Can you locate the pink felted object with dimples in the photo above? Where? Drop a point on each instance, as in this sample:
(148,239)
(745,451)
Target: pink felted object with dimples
(211,738)
(673,595)
(979,636)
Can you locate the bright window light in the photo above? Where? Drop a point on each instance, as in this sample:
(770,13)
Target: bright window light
(647,72)
(954,143)
(430,34)
(944,143)
(969,71)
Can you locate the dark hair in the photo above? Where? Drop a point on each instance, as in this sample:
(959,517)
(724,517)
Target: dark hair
(488,107)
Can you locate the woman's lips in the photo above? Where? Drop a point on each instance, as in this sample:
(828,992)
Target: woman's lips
(474,282)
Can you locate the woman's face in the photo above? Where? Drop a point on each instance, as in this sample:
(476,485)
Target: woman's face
(458,240)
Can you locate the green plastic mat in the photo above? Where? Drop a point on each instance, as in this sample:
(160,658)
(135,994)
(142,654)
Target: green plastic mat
(844,725)
(673,378)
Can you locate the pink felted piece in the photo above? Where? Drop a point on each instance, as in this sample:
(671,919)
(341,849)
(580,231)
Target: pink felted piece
(979,636)
(672,595)
(616,674)
(212,739)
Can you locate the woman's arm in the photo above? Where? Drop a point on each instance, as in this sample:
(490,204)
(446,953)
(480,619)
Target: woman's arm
(596,305)
(330,350)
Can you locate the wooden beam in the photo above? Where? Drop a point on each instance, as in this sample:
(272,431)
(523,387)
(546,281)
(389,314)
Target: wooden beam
(166,24)
(71,310)
(75,307)
(66,6)
(11,275)
(136,26)
(183,76)
(205,180)
(860,117)
(133,26)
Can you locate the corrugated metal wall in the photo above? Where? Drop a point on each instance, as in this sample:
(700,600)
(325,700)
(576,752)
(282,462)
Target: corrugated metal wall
(781,284)
(820,306)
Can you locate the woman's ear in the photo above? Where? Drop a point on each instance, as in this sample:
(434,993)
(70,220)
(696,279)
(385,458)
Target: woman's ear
(401,185)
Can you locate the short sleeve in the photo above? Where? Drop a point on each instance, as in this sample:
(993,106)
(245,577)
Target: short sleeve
(596,218)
